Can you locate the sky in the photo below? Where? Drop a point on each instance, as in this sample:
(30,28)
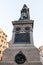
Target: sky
(10,11)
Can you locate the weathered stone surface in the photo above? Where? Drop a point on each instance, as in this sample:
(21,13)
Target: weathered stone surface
(31,53)
(26,63)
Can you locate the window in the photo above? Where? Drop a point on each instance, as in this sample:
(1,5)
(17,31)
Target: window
(0,36)
(1,40)
(18,29)
(5,38)
(4,47)
(0,32)
(3,33)
(0,45)
(0,52)
(4,42)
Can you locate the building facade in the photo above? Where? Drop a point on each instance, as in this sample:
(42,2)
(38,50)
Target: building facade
(41,53)
(3,42)
(41,50)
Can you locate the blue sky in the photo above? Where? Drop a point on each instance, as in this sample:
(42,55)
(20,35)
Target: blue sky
(10,11)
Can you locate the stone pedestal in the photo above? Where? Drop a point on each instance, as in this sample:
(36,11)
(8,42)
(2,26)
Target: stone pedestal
(31,53)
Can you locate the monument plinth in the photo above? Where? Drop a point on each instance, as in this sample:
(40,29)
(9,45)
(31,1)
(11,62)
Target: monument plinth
(22,50)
